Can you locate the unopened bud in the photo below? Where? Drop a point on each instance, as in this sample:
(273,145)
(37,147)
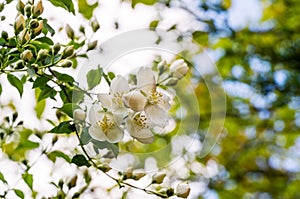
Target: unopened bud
(95,25)
(19,64)
(26,55)
(171,81)
(20,6)
(20,24)
(34,24)
(56,48)
(4,35)
(42,54)
(162,67)
(79,115)
(136,175)
(92,45)
(127,173)
(183,190)
(68,52)
(39,28)
(24,36)
(81,29)
(179,68)
(65,63)
(38,9)
(72,182)
(104,167)
(69,31)
(158,177)
(1,6)
(27,10)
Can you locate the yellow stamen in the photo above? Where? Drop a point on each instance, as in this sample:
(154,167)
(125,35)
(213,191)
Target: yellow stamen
(140,122)
(155,97)
(106,124)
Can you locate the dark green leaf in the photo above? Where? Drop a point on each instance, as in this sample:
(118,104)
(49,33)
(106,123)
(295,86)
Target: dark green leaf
(80,160)
(46,92)
(68,108)
(19,193)
(63,127)
(147,2)
(28,178)
(63,77)
(94,77)
(40,81)
(14,81)
(48,28)
(0,89)
(45,39)
(85,9)
(106,145)
(2,178)
(111,75)
(54,154)
(66,4)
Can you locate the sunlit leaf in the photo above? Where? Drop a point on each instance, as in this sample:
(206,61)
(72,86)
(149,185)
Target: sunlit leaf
(85,9)
(66,4)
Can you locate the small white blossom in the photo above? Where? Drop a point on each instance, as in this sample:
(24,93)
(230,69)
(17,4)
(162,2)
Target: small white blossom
(104,126)
(179,68)
(158,177)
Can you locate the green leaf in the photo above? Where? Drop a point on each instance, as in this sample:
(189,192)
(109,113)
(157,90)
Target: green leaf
(14,81)
(63,77)
(85,9)
(68,108)
(111,75)
(0,89)
(19,193)
(40,81)
(46,40)
(46,91)
(30,71)
(40,105)
(85,136)
(47,28)
(147,2)
(200,37)
(63,127)
(153,24)
(28,178)
(94,77)
(2,178)
(80,160)
(106,145)
(65,4)
(55,154)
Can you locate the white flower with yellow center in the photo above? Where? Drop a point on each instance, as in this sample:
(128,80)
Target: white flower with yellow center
(104,126)
(147,98)
(138,126)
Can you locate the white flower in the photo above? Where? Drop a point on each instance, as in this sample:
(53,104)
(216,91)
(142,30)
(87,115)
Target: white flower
(183,190)
(147,98)
(113,101)
(104,126)
(179,68)
(138,127)
(79,115)
(158,177)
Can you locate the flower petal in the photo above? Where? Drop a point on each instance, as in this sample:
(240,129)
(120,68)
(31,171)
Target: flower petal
(135,100)
(143,135)
(156,114)
(96,132)
(146,80)
(106,100)
(114,135)
(96,113)
(119,85)
(165,102)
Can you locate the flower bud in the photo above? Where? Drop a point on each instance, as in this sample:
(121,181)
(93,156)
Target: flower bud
(27,10)
(1,6)
(79,115)
(69,31)
(24,36)
(81,29)
(179,68)
(104,167)
(34,24)
(183,190)
(162,67)
(4,35)
(26,55)
(95,25)
(92,45)
(20,24)
(42,54)
(65,63)
(20,6)
(158,177)
(56,48)
(68,52)
(72,182)
(38,9)
(136,175)
(39,28)
(127,173)
(171,81)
